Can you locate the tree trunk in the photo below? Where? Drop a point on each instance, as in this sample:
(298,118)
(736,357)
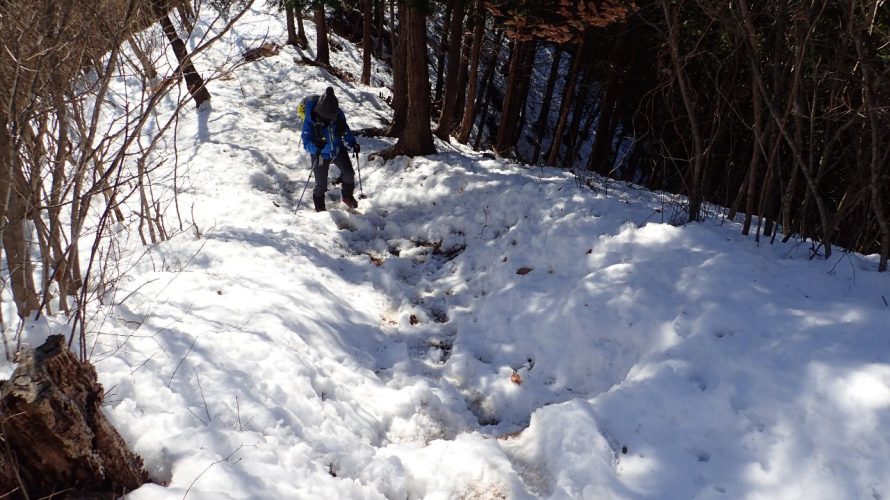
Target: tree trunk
(782,126)
(466,125)
(17,244)
(510,123)
(604,135)
(602,140)
(488,88)
(574,142)
(148,68)
(524,84)
(399,87)
(457,111)
(588,126)
(56,431)
(322,51)
(59,180)
(14,227)
(440,52)
(378,22)
(756,154)
(739,195)
(291,25)
(393,34)
(193,80)
(187,13)
(302,41)
(763,202)
(870,109)
(673,24)
(417,137)
(544,116)
(567,95)
(797,103)
(367,47)
(452,80)
(770,181)
(187,16)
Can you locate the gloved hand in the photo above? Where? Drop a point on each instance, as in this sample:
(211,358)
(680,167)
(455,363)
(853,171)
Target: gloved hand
(356,148)
(311,148)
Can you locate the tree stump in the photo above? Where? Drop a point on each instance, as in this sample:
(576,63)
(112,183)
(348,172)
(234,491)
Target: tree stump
(54,437)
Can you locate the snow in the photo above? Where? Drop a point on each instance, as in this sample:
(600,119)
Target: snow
(264,352)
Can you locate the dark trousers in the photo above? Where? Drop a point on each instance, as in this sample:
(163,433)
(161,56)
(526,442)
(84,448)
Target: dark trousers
(320,167)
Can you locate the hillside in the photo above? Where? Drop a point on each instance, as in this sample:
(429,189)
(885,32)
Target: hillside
(478,329)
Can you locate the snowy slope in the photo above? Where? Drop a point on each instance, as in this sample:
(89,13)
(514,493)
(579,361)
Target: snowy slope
(266,353)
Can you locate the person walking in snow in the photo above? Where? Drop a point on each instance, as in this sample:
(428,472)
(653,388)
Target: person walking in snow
(324,130)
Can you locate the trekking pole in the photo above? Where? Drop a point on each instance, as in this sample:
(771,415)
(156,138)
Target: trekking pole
(358,165)
(304,190)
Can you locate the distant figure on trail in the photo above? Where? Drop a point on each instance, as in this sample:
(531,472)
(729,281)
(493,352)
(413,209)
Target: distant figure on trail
(324,130)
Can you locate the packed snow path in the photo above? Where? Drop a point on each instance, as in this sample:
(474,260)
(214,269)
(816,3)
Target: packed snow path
(263,353)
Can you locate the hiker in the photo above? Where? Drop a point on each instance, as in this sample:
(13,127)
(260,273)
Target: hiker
(324,130)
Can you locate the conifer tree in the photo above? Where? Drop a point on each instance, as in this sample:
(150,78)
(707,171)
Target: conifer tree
(416,138)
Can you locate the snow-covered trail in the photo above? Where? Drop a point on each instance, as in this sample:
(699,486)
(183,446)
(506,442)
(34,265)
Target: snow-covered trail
(263,353)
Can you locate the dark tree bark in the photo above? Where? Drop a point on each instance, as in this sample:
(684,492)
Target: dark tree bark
(291,25)
(574,142)
(457,111)
(514,98)
(54,428)
(302,41)
(463,78)
(756,155)
(452,78)
(441,51)
(378,22)
(148,68)
(877,169)
(567,98)
(483,113)
(322,51)
(367,47)
(187,15)
(671,14)
(783,127)
(767,189)
(59,179)
(466,125)
(13,214)
(488,89)
(605,127)
(18,258)
(393,29)
(584,132)
(544,116)
(399,64)
(524,84)
(193,80)
(417,137)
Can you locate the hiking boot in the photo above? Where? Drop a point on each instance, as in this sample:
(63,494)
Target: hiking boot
(350,201)
(319,203)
